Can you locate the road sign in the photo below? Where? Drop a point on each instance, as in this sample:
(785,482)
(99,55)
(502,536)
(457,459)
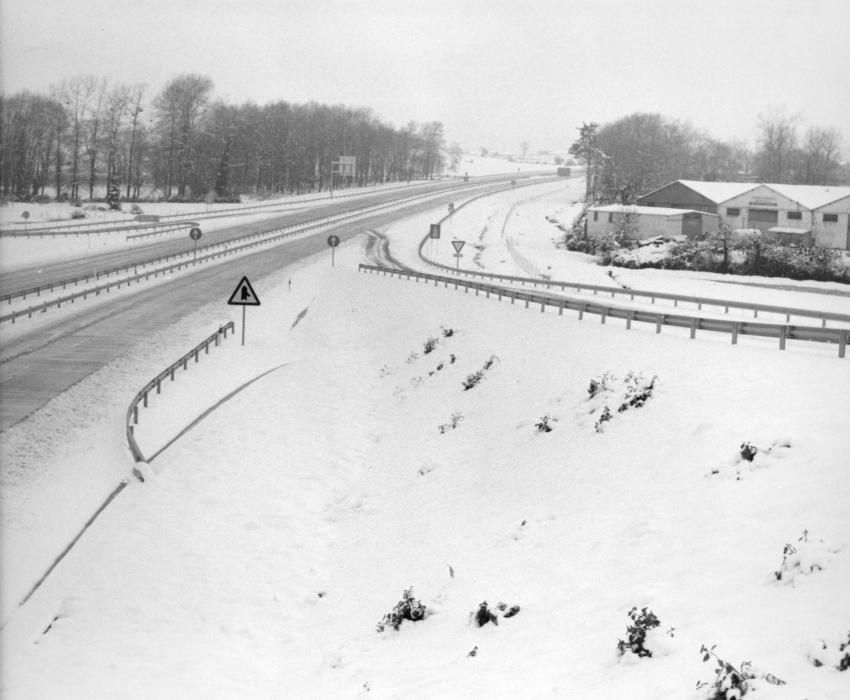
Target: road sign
(195,233)
(333,242)
(25,215)
(451,207)
(434,231)
(244,295)
(458,245)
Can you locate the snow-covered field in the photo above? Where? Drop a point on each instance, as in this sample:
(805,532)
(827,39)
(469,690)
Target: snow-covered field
(269,540)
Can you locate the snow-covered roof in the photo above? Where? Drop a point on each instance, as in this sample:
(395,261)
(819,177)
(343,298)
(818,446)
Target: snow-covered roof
(719,191)
(811,196)
(649,211)
(790,229)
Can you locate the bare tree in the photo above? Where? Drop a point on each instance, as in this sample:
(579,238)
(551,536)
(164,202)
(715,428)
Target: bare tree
(137,94)
(822,152)
(92,133)
(777,144)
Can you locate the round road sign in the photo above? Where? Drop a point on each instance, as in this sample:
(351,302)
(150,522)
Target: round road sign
(194,233)
(333,240)
(451,207)
(25,215)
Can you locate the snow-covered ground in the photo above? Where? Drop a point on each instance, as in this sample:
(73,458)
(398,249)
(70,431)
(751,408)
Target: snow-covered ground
(270,539)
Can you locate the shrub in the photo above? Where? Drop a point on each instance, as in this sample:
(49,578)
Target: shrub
(78,214)
(452,424)
(838,658)
(473,379)
(804,558)
(599,384)
(604,417)
(642,622)
(136,209)
(638,392)
(484,614)
(543,424)
(430,344)
(748,451)
(731,682)
(408,608)
(448,332)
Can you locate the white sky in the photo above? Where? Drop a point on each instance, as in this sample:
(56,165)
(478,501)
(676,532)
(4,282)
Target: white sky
(495,72)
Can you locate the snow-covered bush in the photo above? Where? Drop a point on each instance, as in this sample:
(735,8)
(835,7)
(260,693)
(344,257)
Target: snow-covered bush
(748,451)
(484,614)
(408,608)
(136,210)
(78,214)
(731,682)
(543,425)
(473,379)
(430,344)
(803,558)
(452,424)
(642,622)
(606,391)
(447,332)
(835,654)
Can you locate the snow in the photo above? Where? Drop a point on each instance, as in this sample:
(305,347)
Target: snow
(269,540)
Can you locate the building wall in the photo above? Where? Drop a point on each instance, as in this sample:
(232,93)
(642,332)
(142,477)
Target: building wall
(677,196)
(647,225)
(833,234)
(763,199)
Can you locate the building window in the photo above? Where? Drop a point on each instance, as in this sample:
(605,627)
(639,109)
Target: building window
(596,216)
(733,211)
(830,218)
(795,215)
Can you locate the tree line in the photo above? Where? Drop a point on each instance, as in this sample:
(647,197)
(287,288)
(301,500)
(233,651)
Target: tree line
(641,152)
(183,144)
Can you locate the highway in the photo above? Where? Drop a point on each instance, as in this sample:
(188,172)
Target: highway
(40,365)
(46,273)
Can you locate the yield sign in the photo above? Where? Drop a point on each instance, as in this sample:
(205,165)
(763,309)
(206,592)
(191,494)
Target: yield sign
(458,245)
(244,295)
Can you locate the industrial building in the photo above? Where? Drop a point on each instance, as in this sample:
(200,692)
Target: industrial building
(649,222)
(797,214)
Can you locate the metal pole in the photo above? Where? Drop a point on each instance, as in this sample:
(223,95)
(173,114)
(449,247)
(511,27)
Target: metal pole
(243,324)
(333,250)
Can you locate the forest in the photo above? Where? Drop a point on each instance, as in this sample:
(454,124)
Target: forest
(89,139)
(640,152)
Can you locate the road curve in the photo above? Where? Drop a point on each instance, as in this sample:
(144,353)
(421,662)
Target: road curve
(41,365)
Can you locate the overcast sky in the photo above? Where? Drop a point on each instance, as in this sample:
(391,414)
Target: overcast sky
(495,72)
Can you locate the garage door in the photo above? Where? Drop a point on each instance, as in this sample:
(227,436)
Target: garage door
(762,219)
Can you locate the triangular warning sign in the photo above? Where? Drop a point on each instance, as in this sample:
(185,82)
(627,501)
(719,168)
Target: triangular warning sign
(244,295)
(458,245)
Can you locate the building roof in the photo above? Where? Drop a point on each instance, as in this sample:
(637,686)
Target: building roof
(650,211)
(811,196)
(790,229)
(719,192)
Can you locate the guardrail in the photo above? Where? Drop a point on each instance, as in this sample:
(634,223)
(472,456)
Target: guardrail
(155,384)
(35,229)
(204,252)
(700,301)
(781,332)
(104,228)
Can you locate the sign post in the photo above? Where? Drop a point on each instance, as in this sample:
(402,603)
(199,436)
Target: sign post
(333,242)
(244,295)
(458,246)
(195,234)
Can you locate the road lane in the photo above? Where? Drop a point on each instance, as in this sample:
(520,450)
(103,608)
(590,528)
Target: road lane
(39,366)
